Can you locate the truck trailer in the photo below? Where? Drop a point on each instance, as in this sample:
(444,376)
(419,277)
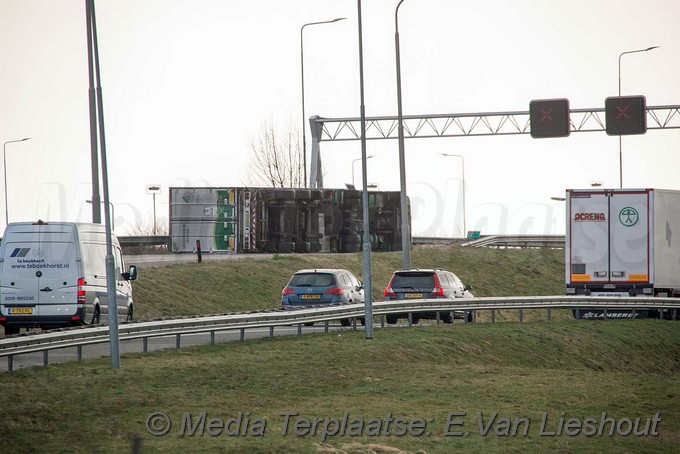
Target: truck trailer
(622,242)
(281,220)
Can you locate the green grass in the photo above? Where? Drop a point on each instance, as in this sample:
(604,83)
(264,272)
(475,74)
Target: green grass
(562,368)
(213,287)
(628,369)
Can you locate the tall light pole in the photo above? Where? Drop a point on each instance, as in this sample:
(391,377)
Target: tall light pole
(4,169)
(620,145)
(405,233)
(302,78)
(353,161)
(113,213)
(463,176)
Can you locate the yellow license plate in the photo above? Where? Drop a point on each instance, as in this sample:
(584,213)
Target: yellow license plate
(310,297)
(20,310)
(414,295)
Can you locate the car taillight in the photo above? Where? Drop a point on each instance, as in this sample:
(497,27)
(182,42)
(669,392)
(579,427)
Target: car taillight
(81,292)
(287,291)
(334,291)
(388,290)
(437,290)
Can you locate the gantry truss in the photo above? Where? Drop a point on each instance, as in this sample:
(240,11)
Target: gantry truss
(461,125)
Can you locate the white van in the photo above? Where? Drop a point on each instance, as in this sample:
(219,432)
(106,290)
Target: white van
(53,274)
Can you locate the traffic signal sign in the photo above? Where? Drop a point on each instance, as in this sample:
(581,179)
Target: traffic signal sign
(625,115)
(549,118)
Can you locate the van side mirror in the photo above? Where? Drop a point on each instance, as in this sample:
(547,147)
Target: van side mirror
(131,274)
(468,287)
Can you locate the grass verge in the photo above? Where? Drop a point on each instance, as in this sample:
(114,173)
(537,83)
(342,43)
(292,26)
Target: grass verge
(521,372)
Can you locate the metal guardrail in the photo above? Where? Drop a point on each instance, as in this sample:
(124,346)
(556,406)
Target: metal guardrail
(521,241)
(88,335)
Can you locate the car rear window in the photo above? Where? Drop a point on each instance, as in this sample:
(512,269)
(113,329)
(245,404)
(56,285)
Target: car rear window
(413,280)
(312,280)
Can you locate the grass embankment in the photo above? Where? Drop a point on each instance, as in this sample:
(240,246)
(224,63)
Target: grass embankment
(528,372)
(254,284)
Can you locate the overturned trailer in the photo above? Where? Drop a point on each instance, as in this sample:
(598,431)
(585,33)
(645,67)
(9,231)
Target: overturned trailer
(281,220)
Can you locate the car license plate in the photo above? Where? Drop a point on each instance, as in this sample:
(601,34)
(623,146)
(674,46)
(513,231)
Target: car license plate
(20,310)
(413,295)
(310,297)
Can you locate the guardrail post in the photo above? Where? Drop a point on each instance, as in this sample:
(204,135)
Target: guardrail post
(548,315)
(198,251)
(177,340)
(493,315)
(79,353)
(437,317)
(577,312)
(604,312)
(145,345)
(634,314)
(45,358)
(521,315)
(410,319)
(299,330)
(10,363)
(243,334)
(382,321)
(325,326)
(212,337)
(271,331)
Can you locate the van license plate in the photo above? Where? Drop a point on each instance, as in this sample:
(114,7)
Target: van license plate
(414,295)
(20,310)
(310,297)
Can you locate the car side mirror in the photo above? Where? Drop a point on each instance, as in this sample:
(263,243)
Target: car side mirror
(131,274)
(468,287)
(360,286)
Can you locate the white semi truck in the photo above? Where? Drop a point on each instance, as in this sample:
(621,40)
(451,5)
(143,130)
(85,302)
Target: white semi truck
(622,242)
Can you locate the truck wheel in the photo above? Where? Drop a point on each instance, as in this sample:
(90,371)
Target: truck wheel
(470,316)
(446,317)
(391,319)
(345,322)
(130,314)
(96,315)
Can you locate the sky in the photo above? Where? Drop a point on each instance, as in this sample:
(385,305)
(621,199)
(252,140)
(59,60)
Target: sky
(187,84)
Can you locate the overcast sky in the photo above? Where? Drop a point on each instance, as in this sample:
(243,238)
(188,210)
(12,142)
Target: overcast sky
(187,84)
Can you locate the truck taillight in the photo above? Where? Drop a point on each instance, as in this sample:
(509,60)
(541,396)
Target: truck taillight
(334,291)
(437,290)
(81,291)
(287,291)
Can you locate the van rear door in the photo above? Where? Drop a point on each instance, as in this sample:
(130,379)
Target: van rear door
(40,272)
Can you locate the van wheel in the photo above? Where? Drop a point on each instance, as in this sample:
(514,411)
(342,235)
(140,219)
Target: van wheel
(96,316)
(129,315)
(345,322)
(9,330)
(391,319)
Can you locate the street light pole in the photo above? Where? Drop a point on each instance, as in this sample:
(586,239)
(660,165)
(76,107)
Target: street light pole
(405,234)
(353,161)
(463,175)
(302,77)
(620,142)
(4,169)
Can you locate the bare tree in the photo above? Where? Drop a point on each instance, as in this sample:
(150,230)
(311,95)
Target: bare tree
(276,159)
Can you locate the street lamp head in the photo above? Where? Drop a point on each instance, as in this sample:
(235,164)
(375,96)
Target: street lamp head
(653,47)
(338,19)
